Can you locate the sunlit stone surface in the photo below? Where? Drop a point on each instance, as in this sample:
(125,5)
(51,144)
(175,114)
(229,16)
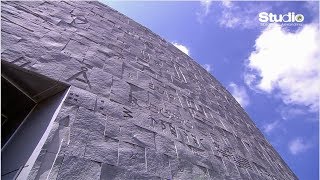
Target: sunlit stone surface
(138,108)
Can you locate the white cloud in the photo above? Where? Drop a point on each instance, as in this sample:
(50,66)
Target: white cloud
(227,3)
(291,112)
(298,145)
(238,15)
(205,9)
(240,94)
(287,64)
(207,67)
(268,128)
(206,5)
(244,15)
(249,79)
(182,48)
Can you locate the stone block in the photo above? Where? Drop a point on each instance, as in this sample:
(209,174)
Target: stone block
(120,92)
(158,164)
(78,168)
(110,172)
(165,145)
(82,98)
(132,157)
(90,121)
(103,151)
(100,82)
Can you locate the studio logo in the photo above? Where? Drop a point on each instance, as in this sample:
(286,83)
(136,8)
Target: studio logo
(290,17)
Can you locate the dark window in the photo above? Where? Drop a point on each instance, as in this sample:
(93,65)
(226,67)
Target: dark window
(15,106)
(28,104)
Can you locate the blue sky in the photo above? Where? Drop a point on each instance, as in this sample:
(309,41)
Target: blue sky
(272,70)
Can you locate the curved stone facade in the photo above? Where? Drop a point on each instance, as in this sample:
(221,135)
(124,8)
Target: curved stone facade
(137,108)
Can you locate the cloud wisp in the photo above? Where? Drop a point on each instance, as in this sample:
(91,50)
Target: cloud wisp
(182,48)
(287,64)
(230,14)
(298,145)
(205,10)
(268,128)
(238,15)
(240,94)
(291,112)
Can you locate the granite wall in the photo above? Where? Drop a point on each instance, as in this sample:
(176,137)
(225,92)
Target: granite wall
(138,107)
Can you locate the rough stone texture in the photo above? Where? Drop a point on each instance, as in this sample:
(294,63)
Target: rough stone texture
(138,107)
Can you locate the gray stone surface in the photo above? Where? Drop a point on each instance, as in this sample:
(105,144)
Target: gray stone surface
(78,168)
(138,107)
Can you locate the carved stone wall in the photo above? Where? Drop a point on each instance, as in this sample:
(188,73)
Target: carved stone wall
(138,107)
